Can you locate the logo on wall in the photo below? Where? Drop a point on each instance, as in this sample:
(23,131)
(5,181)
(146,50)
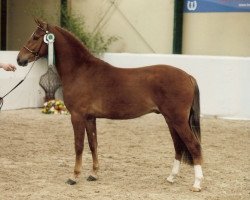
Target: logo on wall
(196,6)
(191,5)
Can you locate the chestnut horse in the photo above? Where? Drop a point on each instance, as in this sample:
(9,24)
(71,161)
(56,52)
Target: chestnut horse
(94,89)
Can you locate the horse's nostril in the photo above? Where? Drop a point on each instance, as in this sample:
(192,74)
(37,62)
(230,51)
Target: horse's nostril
(19,62)
(25,63)
(22,62)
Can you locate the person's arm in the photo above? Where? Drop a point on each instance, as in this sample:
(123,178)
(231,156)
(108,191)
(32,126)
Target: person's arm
(7,67)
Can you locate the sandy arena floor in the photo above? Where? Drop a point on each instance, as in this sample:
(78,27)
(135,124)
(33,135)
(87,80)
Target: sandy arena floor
(37,157)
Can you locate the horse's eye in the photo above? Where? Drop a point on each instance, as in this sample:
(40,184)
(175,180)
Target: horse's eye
(35,37)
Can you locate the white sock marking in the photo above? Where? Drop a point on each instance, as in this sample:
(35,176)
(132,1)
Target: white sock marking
(175,171)
(198,176)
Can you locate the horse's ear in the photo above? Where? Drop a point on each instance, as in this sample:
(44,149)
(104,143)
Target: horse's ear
(39,22)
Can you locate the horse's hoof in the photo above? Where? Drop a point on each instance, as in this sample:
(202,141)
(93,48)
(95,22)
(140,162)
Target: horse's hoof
(170,180)
(71,182)
(91,178)
(195,189)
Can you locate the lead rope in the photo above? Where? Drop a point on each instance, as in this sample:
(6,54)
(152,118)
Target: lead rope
(1,98)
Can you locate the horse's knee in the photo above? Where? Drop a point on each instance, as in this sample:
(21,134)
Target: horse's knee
(78,149)
(92,147)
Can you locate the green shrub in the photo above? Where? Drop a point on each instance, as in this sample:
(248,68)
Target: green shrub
(95,42)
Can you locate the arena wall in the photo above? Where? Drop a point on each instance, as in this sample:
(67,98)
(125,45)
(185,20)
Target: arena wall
(147,27)
(217,34)
(141,26)
(224,81)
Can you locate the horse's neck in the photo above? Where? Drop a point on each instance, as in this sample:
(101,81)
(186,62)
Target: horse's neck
(70,53)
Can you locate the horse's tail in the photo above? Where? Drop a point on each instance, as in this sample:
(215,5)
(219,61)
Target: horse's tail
(194,117)
(194,122)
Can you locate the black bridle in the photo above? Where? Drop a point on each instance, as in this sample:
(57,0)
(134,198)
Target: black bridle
(36,54)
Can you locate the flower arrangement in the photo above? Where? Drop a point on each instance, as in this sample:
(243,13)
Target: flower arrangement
(54,107)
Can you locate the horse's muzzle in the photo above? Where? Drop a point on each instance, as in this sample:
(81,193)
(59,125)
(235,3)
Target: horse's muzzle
(21,62)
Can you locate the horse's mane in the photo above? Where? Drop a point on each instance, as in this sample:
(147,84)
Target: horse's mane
(78,45)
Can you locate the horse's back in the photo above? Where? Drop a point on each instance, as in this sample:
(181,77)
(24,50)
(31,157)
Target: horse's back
(155,78)
(152,71)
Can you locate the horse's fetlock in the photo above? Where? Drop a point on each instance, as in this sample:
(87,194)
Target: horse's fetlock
(76,173)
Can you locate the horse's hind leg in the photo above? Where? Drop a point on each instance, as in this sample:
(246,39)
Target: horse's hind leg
(92,139)
(178,154)
(193,149)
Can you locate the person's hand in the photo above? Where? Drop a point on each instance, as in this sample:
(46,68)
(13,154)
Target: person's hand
(8,67)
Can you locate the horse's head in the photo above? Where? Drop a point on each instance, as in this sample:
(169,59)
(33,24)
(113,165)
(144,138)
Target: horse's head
(35,47)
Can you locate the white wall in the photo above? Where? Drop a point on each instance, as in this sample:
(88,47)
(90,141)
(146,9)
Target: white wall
(224,81)
(217,34)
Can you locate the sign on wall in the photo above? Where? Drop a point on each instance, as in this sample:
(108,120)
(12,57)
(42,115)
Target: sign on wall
(196,6)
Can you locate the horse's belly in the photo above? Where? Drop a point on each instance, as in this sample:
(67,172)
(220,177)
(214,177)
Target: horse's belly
(125,115)
(120,110)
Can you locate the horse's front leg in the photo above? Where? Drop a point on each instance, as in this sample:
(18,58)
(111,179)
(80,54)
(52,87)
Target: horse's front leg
(79,125)
(92,139)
